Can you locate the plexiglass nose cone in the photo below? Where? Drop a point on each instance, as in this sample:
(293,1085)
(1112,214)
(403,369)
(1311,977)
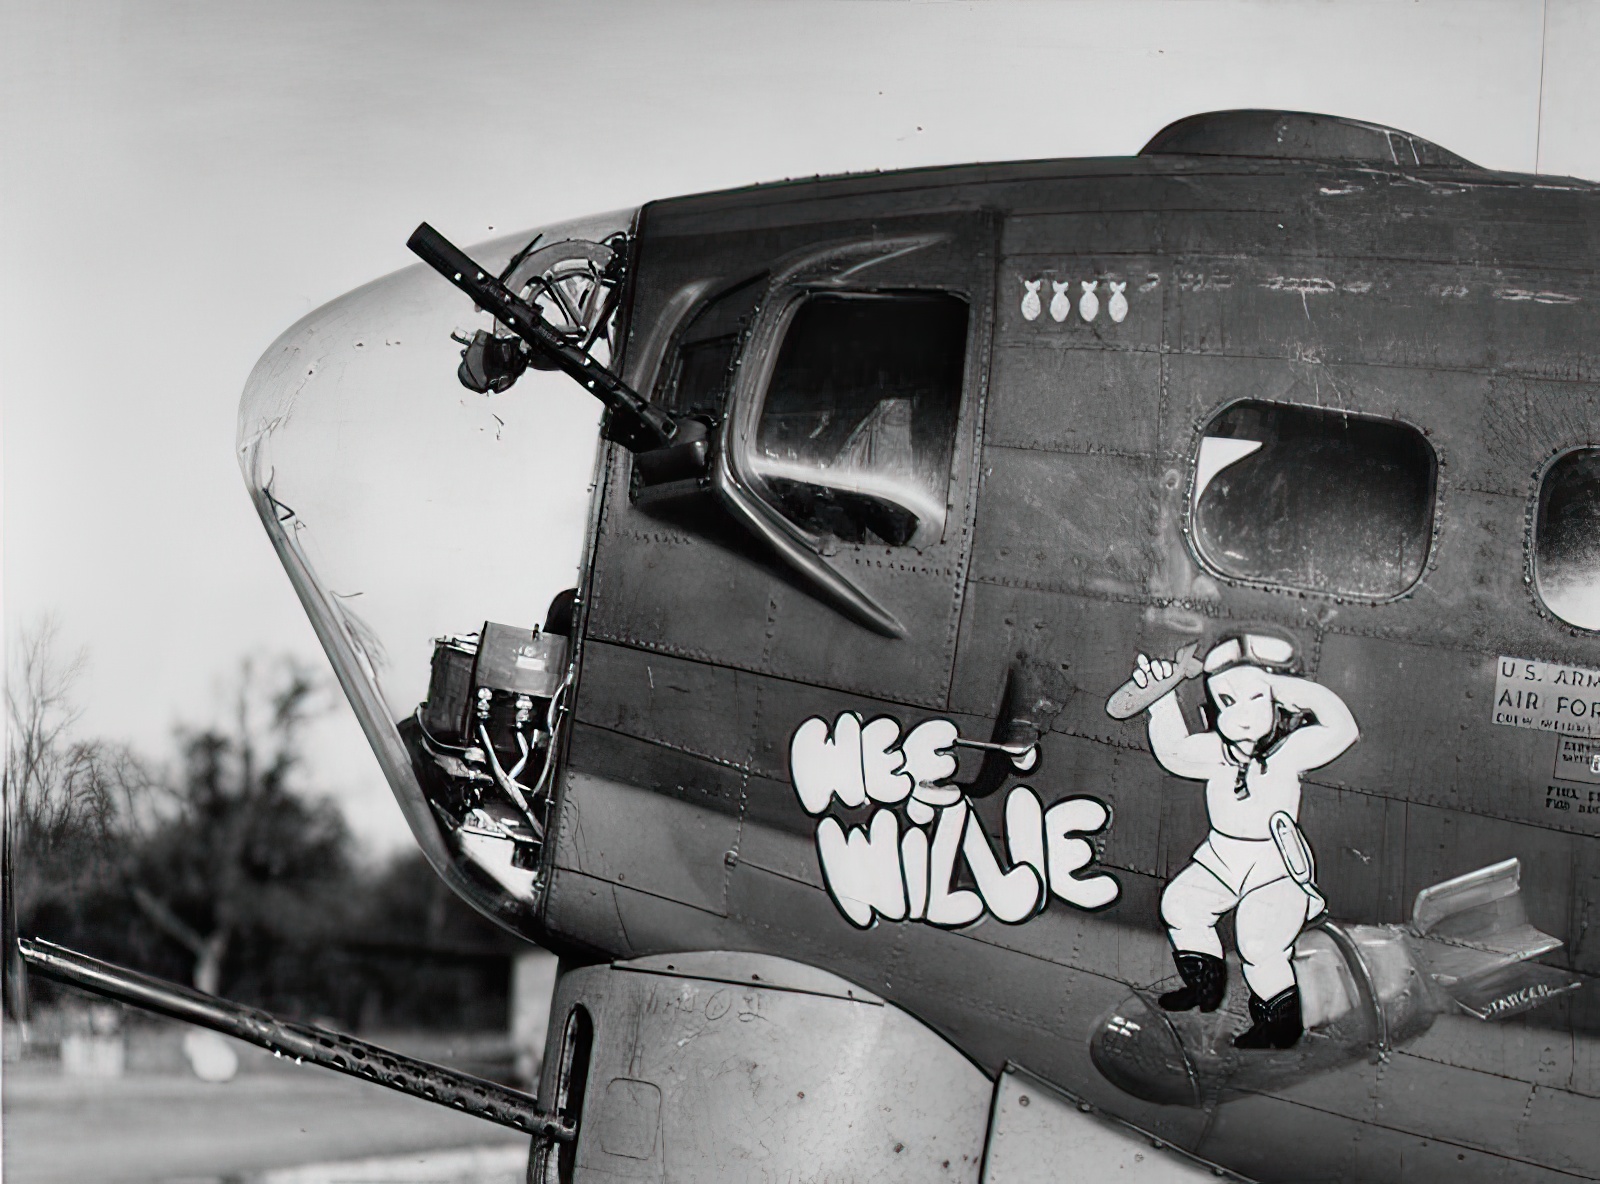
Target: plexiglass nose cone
(1136,1049)
(433,535)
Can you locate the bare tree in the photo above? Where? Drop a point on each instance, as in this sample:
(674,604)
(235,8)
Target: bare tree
(241,844)
(68,800)
(227,866)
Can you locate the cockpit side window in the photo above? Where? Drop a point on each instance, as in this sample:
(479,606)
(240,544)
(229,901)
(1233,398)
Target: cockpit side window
(1314,500)
(701,373)
(1566,538)
(856,433)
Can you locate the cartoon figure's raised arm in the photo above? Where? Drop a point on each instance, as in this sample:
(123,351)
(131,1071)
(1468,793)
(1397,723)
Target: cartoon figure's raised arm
(1179,752)
(1314,745)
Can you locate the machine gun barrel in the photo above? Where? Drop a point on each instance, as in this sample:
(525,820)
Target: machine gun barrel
(422,1079)
(644,426)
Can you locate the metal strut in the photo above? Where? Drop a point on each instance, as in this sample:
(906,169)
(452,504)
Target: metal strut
(488,1100)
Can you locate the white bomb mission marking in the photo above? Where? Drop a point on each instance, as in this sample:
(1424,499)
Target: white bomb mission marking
(904,869)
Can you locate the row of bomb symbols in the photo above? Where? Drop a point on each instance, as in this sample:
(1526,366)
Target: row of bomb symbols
(1088,299)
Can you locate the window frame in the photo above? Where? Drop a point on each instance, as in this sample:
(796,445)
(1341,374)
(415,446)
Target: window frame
(1530,536)
(1190,503)
(950,252)
(841,269)
(694,301)
(926,532)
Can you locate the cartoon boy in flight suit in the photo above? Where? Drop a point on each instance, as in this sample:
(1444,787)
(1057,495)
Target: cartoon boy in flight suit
(1266,728)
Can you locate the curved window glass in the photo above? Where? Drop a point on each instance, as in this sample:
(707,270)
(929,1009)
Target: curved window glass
(1566,539)
(1314,500)
(857,431)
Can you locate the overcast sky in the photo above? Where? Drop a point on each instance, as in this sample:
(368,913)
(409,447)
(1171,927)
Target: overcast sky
(179,182)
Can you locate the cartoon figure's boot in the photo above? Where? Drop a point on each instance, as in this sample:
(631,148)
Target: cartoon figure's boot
(1276,1021)
(1205,982)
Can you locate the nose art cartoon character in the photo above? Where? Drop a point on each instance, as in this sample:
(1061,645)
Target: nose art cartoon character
(1264,729)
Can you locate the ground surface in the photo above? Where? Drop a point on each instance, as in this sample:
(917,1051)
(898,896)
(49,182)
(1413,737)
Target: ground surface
(141,1129)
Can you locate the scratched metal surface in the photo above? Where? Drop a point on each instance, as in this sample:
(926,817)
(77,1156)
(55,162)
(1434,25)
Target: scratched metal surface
(743,1067)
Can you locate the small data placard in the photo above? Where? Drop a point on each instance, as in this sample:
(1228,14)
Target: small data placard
(1577,760)
(1547,697)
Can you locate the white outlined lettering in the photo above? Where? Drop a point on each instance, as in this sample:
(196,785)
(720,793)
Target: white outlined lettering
(904,866)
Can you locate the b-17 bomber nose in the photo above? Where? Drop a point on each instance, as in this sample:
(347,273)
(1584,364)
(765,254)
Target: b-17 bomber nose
(1136,1049)
(428,531)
